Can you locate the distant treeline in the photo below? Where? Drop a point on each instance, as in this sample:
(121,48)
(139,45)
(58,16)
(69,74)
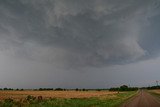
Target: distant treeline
(63,89)
(10,89)
(123,88)
(152,87)
(6,89)
(55,89)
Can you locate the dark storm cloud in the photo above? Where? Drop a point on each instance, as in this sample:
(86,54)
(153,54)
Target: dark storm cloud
(79,33)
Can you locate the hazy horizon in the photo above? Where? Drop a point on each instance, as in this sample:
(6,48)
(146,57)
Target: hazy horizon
(79,43)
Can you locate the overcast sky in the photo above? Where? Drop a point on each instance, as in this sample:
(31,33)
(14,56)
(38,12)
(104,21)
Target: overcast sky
(79,43)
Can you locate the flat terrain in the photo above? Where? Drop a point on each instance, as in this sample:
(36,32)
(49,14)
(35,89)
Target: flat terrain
(143,99)
(63,98)
(53,94)
(156,91)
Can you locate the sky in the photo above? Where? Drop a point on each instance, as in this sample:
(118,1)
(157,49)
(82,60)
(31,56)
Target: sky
(79,43)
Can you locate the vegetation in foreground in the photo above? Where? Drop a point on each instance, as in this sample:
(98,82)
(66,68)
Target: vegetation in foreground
(155,92)
(112,100)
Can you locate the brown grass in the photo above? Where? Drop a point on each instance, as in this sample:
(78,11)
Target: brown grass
(53,94)
(155,91)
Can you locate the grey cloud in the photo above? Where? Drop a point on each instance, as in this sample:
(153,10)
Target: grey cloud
(76,33)
(110,42)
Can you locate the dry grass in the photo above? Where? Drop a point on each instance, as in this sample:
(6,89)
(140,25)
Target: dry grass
(155,91)
(54,94)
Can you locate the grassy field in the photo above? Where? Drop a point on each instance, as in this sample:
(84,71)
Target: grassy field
(53,94)
(63,98)
(155,92)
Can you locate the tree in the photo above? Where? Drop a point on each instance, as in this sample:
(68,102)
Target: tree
(124,88)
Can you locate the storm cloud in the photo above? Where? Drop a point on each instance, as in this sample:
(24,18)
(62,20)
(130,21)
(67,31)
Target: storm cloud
(71,34)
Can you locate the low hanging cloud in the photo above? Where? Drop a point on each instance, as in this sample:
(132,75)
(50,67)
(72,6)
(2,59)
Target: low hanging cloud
(76,33)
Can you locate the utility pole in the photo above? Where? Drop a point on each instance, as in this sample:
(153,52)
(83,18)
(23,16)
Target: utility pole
(157,83)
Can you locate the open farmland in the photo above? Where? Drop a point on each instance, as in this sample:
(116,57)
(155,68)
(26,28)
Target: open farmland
(54,94)
(155,91)
(63,98)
